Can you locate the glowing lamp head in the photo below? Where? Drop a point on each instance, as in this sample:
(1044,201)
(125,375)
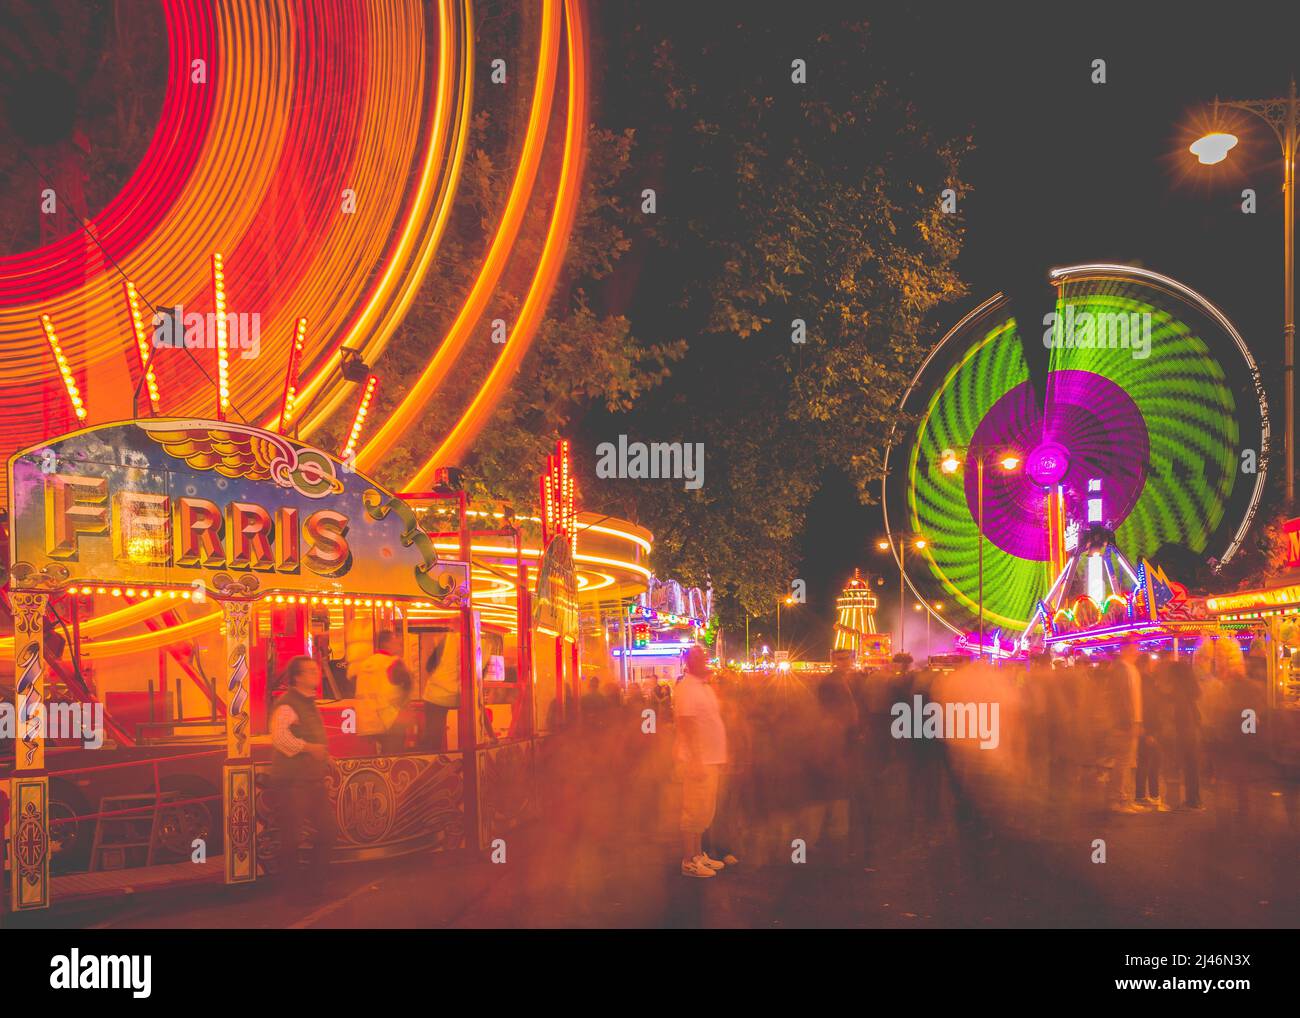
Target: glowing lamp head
(1213,148)
(1009,462)
(920,542)
(883,545)
(949,463)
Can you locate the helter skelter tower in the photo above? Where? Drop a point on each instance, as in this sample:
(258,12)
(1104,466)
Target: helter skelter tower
(855,617)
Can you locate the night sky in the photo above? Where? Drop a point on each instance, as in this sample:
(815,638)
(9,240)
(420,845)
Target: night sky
(1067,171)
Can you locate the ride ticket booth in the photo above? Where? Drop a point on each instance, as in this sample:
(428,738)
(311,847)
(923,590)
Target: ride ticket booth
(275,548)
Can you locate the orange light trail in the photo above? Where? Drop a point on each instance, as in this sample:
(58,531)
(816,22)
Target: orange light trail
(417,397)
(457,442)
(254,165)
(434,196)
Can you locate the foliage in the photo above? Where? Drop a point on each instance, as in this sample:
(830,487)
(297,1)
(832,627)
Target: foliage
(777,202)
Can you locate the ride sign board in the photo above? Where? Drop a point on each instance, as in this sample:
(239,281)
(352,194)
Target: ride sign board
(230,509)
(1291,536)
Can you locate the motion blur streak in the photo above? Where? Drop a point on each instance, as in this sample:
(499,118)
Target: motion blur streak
(548,268)
(498,255)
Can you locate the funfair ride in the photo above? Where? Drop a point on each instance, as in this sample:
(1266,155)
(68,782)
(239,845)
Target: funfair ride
(1133,417)
(138,543)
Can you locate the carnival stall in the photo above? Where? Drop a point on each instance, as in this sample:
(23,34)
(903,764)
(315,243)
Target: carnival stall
(251,541)
(1268,619)
(163,571)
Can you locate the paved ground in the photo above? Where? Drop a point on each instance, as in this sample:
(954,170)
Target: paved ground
(593,865)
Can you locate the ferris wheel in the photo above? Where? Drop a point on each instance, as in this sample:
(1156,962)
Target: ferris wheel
(1134,406)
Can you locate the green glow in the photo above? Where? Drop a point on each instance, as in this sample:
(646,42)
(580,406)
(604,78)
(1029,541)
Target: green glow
(1182,394)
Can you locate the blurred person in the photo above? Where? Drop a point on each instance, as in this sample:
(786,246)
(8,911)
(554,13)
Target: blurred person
(1121,742)
(595,705)
(1185,715)
(299,764)
(1154,735)
(700,747)
(722,839)
(383,688)
(834,741)
(662,700)
(441,695)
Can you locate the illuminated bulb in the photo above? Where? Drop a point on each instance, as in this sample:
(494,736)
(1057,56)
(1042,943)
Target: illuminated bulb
(1010,461)
(362,408)
(65,371)
(949,464)
(223,353)
(142,343)
(1213,148)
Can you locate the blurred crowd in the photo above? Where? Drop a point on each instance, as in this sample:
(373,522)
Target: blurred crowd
(813,761)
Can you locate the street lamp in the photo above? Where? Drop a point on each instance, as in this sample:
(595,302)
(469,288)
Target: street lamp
(1280,115)
(788,600)
(930,608)
(918,542)
(950,462)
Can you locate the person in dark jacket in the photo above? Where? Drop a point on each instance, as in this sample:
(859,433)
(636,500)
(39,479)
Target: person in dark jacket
(298,767)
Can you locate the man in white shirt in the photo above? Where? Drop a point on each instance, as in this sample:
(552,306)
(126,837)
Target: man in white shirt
(700,753)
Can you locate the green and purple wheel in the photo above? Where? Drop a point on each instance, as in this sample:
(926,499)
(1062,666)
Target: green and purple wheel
(1135,395)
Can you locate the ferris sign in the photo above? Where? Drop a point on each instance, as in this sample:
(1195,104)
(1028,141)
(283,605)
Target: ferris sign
(236,510)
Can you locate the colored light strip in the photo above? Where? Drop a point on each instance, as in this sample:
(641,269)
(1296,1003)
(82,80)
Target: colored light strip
(291,376)
(65,371)
(223,352)
(141,342)
(360,418)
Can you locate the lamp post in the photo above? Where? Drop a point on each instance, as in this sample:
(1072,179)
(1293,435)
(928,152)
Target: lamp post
(886,544)
(1280,115)
(789,600)
(950,464)
(929,609)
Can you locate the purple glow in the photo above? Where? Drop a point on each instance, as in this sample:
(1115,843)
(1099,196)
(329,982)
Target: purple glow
(1091,428)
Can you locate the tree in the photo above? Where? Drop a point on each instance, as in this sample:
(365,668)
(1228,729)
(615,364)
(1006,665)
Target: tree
(779,203)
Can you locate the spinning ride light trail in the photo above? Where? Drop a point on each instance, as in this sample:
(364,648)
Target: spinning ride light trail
(1162,420)
(251,156)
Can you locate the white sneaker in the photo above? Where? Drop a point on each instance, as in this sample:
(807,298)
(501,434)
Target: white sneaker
(692,868)
(704,860)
